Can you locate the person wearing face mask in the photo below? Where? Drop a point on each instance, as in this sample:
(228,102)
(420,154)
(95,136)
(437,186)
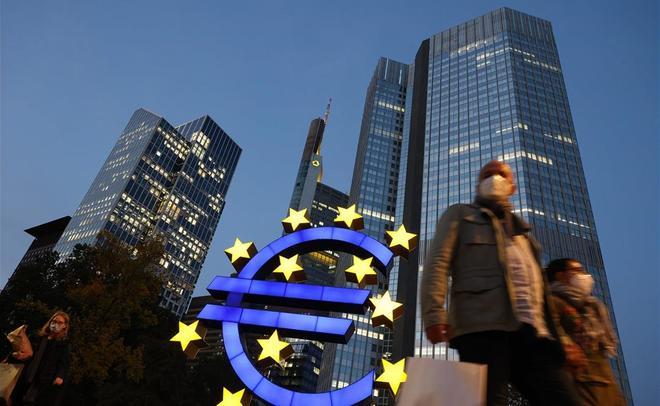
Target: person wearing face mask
(45,373)
(496,310)
(590,334)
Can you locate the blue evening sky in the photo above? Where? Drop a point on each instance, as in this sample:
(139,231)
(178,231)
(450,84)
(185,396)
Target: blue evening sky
(73,73)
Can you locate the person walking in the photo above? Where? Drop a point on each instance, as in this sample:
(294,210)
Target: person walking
(498,311)
(590,334)
(42,379)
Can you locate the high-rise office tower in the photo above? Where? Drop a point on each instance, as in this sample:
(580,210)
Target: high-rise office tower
(493,88)
(320,200)
(301,370)
(373,190)
(168,181)
(45,237)
(310,170)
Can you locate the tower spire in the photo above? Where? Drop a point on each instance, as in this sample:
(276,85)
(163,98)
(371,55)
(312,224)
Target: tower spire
(326,115)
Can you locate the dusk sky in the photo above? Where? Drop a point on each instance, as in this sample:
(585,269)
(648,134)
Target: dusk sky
(74,72)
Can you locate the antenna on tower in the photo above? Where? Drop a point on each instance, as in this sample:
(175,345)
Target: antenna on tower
(326,115)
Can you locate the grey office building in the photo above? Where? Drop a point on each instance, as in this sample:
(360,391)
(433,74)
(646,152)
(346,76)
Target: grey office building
(493,88)
(45,236)
(302,369)
(320,200)
(373,190)
(160,180)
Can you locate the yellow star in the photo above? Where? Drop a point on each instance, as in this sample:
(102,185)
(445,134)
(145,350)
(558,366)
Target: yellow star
(349,218)
(393,375)
(289,269)
(273,350)
(240,253)
(385,311)
(401,242)
(361,273)
(231,399)
(186,334)
(190,337)
(296,221)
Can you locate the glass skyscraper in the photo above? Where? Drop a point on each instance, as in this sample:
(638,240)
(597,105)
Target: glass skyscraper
(165,181)
(302,369)
(492,88)
(373,190)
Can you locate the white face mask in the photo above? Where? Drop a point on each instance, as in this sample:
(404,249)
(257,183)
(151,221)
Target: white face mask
(495,187)
(56,328)
(583,282)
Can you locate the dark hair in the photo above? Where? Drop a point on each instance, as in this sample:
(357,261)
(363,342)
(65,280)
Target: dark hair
(558,265)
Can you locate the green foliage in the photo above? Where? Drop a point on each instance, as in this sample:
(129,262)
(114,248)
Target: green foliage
(119,336)
(116,300)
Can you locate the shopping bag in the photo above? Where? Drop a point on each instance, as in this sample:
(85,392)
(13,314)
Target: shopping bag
(20,343)
(434,382)
(9,374)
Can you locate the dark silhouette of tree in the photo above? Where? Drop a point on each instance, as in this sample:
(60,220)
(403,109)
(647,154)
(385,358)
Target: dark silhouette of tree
(121,353)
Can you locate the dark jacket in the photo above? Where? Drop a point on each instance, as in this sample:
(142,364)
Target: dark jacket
(470,246)
(49,361)
(53,363)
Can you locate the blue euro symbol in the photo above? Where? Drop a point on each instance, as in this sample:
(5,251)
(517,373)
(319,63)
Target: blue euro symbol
(249,285)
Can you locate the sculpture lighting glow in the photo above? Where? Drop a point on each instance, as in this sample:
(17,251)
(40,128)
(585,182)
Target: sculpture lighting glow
(249,286)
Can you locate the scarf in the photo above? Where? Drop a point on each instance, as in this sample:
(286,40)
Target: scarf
(595,331)
(502,210)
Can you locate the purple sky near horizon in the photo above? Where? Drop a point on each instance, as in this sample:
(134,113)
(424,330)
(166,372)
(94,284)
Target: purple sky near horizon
(73,72)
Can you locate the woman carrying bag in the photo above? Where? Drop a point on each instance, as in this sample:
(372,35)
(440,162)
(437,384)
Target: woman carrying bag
(41,382)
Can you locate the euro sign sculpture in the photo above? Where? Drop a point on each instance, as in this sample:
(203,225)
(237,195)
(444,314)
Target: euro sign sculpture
(281,257)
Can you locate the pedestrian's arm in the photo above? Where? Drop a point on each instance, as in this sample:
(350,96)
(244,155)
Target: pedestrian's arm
(611,339)
(62,369)
(436,269)
(560,320)
(575,356)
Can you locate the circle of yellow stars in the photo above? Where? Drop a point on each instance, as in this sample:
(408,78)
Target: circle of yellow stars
(384,309)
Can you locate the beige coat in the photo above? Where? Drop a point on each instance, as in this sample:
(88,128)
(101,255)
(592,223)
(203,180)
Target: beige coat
(470,246)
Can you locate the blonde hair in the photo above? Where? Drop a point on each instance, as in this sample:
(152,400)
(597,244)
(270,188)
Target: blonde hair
(45,330)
